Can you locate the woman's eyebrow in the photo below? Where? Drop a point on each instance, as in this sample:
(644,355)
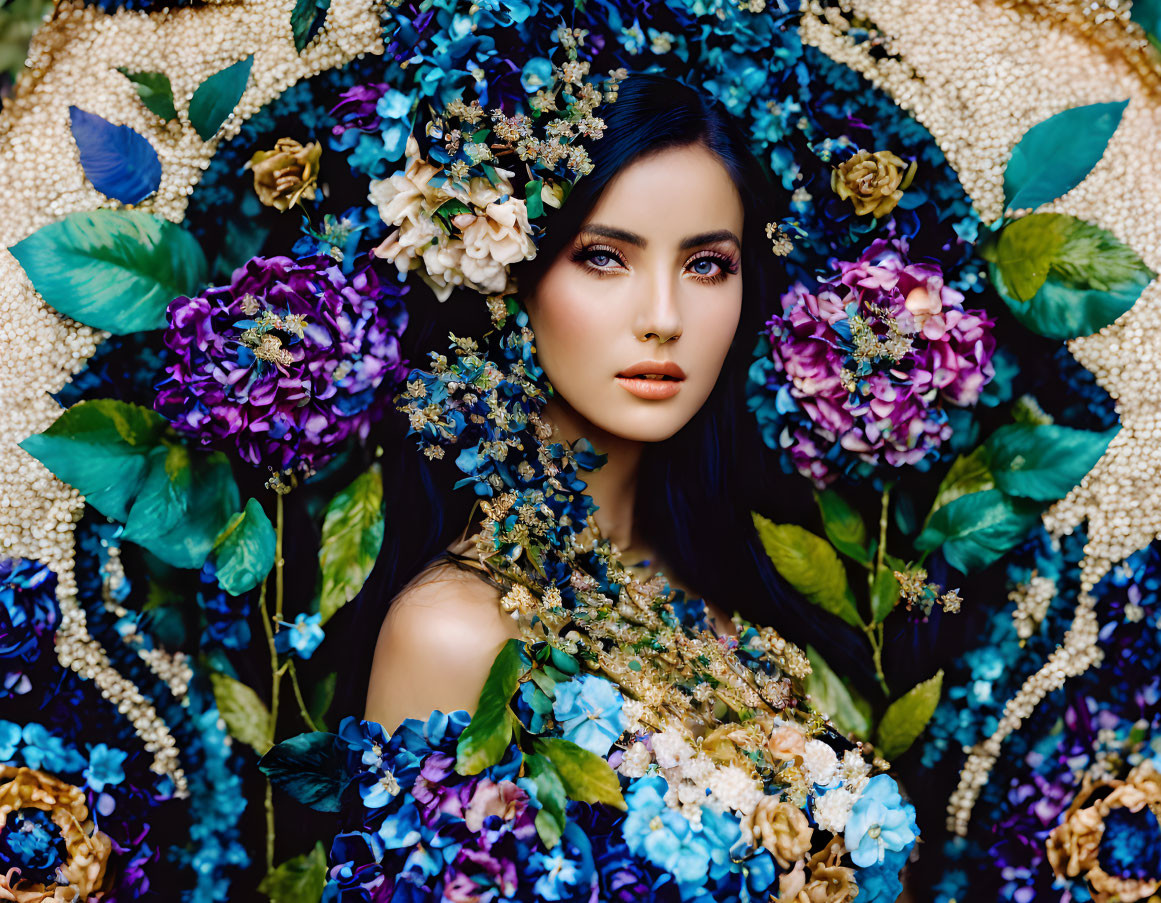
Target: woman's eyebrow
(634,239)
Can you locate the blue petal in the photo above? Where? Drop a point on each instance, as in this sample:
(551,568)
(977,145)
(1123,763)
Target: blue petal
(119,162)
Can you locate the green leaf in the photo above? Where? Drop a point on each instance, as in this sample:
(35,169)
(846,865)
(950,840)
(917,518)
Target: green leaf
(115,270)
(487,736)
(907,716)
(1147,14)
(976,529)
(246,716)
(845,707)
(533,200)
(306,19)
(244,550)
(884,595)
(550,796)
(321,697)
(1044,462)
(100,448)
(1055,155)
(968,473)
(844,527)
(1083,280)
(298,880)
(217,97)
(309,768)
(183,505)
(809,564)
(352,534)
(587,777)
(154,90)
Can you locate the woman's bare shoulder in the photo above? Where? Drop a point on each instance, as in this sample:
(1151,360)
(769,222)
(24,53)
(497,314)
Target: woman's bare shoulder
(436,645)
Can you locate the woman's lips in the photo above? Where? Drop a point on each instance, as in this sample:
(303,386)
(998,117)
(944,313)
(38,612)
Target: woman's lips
(652,380)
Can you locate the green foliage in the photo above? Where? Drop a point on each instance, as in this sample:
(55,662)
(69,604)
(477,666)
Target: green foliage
(487,736)
(154,90)
(1044,462)
(533,200)
(172,502)
(306,19)
(907,716)
(587,777)
(976,529)
(216,97)
(322,694)
(810,564)
(1055,155)
(843,525)
(1063,277)
(550,796)
(884,595)
(19,19)
(352,535)
(246,716)
(244,550)
(968,473)
(115,270)
(298,880)
(850,712)
(309,768)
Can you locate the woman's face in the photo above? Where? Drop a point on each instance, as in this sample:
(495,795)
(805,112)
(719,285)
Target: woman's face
(633,320)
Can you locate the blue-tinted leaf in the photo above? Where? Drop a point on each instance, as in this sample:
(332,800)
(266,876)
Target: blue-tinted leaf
(244,550)
(216,98)
(1044,462)
(120,163)
(309,768)
(112,269)
(843,525)
(975,529)
(306,19)
(1054,156)
(154,90)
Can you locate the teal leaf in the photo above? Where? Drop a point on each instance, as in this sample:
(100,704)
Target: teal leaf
(976,529)
(352,535)
(297,880)
(550,796)
(848,710)
(843,525)
(244,550)
(533,200)
(309,768)
(321,697)
(1055,155)
(185,501)
(587,777)
(100,448)
(115,270)
(968,473)
(1044,462)
(906,718)
(487,736)
(154,90)
(306,19)
(884,595)
(246,716)
(810,564)
(1147,14)
(217,97)
(120,163)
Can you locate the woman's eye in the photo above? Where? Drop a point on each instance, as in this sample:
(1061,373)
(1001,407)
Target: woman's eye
(600,256)
(704,266)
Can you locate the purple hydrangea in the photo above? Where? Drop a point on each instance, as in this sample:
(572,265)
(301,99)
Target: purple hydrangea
(287,362)
(858,372)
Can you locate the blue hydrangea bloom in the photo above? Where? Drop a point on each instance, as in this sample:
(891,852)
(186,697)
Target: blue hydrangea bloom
(588,710)
(301,638)
(880,822)
(105,767)
(9,740)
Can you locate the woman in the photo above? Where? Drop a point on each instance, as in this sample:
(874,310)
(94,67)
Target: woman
(644,302)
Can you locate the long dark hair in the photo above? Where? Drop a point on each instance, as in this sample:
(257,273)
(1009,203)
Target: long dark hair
(695,490)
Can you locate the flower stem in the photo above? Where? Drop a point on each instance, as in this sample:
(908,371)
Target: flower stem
(302,710)
(276,672)
(875,631)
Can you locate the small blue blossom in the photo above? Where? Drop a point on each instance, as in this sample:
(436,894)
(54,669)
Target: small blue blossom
(105,767)
(588,709)
(9,740)
(880,822)
(302,637)
(44,752)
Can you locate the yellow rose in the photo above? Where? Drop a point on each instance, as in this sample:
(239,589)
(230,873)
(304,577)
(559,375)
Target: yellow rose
(286,174)
(874,183)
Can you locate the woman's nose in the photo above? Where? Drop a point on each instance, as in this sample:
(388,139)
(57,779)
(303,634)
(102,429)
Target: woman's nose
(659,314)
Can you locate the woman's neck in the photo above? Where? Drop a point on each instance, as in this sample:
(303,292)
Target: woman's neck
(612,487)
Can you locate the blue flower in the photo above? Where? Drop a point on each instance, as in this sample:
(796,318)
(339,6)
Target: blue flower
(44,752)
(664,836)
(105,767)
(588,709)
(303,636)
(880,822)
(881,883)
(9,740)
(558,874)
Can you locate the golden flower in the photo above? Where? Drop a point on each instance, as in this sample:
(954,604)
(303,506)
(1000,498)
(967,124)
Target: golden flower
(780,828)
(874,183)
(286,174)
(88,849)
